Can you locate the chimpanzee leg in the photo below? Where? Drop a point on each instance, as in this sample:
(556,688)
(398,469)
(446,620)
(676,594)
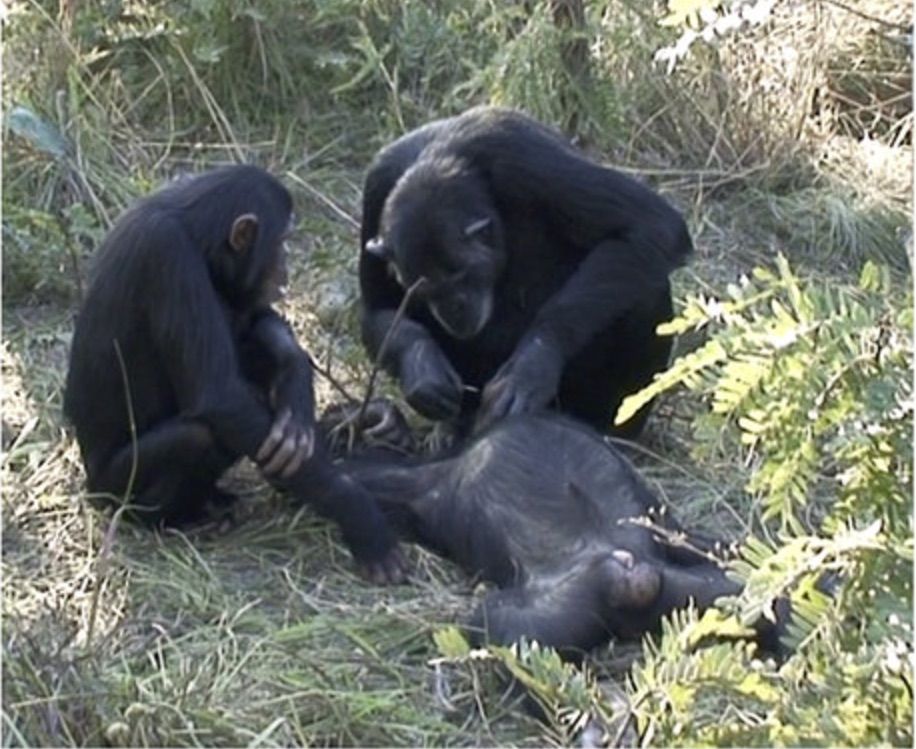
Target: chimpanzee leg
(177,465)
(706,583)
(703,583)
(342,499)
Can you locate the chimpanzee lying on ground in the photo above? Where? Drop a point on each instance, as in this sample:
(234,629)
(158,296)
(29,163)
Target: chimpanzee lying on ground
(540,275)
(180,366)
(544,508)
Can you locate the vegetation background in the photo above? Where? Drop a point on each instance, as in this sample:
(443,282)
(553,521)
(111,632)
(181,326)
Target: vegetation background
(782,128)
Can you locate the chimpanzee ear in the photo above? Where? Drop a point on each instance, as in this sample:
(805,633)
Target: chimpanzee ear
(475,227)
(376,246)
(244,230)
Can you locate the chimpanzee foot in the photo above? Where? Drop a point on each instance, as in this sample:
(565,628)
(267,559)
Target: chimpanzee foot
(382,426)
(389,570)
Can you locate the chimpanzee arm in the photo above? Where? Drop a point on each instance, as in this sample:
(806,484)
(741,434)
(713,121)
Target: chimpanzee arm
(617,276)
(190,330)
(635,238)
(274,359)
(701,583)
(428,381)
(704,584)
(271,357)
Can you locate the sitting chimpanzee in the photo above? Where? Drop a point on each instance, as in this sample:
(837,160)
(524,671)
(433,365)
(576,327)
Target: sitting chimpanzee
(179,365)
(538,276)
(577,544)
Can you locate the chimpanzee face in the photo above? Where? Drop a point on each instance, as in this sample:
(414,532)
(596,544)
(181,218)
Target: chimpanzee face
(448,241)
(273,287)
(267,274)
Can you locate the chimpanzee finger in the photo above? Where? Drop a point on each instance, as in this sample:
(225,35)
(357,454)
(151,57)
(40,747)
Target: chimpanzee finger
(379,417)
(390,570)
(282,456)
(275,436)
(305,447)
(497,400)
(395,566)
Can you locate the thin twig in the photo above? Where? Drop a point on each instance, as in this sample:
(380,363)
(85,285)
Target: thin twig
(326,373)
(323,198)
(376,365)
(867,16)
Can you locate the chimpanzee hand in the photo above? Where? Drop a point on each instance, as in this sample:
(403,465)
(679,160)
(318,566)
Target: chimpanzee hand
(527,382)
(389,570)
(288,445)
(429,382)
(384,425)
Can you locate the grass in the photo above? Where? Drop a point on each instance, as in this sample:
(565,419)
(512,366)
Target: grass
(261,634)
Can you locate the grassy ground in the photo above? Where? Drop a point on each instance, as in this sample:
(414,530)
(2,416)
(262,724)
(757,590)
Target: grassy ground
(262,634)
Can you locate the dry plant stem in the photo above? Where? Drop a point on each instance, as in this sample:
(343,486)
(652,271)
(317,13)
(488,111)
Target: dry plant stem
(108,540)
(402,308)
(334,383)
(867,16)
(347,218)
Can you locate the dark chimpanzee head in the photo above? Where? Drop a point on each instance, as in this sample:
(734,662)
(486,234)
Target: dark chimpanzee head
(629,585)
(239,216)
(440,224)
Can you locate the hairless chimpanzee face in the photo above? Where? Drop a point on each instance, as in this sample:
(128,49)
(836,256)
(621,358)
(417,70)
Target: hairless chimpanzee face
(450,238)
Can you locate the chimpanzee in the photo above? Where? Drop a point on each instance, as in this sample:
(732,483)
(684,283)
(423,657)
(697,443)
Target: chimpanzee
(179,365)
(539,276)
(558,519)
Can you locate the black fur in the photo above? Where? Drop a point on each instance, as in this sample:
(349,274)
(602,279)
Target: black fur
(207,361)
(543,508)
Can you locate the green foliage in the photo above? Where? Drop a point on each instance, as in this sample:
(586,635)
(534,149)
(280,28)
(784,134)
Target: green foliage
(814,382)
(104,99)
(568,697)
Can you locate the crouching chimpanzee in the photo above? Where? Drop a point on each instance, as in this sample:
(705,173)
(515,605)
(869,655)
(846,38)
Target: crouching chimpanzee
(540,275)
(554,516)
(179,366)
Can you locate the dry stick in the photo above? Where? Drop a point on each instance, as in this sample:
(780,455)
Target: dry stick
(108,539)
(332,381)
(402,308)
(320,196)
(868,17)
